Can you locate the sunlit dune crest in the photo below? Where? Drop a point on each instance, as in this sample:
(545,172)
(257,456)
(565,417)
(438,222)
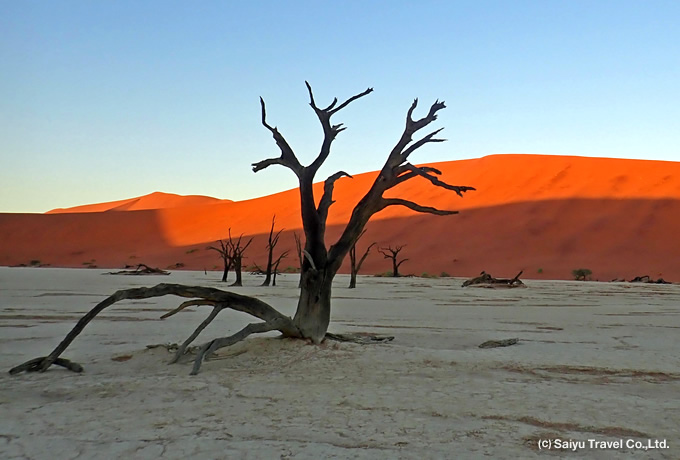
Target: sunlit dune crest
(155,200)
(546,215)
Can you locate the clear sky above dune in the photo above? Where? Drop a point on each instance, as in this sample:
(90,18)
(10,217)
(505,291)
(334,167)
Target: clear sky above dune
(103,101)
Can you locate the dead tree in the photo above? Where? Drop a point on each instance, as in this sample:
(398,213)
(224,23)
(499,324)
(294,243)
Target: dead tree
(225,255)
(393,254)
(321,263)
(236,253)
(354,265)
(276,263)
(271,244)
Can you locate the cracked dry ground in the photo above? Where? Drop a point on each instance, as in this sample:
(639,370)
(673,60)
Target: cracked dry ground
(594,361)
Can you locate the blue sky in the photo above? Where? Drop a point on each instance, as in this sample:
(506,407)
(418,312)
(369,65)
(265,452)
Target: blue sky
(107,100)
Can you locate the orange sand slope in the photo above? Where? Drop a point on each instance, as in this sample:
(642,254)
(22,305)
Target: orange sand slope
(155,200)
(546,215)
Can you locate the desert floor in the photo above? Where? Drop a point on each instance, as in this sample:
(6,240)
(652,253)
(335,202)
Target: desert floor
(596,361)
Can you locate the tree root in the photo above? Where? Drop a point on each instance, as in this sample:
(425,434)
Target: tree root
(363,339)
(216,344)
(273,320)
(34,365)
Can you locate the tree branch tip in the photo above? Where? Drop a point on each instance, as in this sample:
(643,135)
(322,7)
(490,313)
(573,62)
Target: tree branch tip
(332,104)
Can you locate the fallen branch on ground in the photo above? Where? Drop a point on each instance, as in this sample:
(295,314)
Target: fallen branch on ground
(647,279)
(142,269)
(499,343)
(488,281)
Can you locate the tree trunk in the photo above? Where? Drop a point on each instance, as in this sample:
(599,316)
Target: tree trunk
(268,274)
(353,266)
(314,306)
(237,269)
(353,280)
(225,274)
(395,268)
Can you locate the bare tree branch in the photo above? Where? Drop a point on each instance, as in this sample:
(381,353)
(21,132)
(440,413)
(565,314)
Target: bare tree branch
(354,265)
(425,172)
(420,143)
(350,100)
(330,131)
(405,172)
(216,344)
(368,250)
(223,299)
(188,303)
(327,197)
(414,206)
(392,174)
(287,158)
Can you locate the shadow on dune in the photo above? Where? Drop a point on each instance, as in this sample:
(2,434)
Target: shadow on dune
(615,238)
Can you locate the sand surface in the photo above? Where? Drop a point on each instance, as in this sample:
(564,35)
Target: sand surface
(595,361)
(546,215)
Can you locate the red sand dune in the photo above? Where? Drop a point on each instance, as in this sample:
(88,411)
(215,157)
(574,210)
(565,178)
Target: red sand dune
(155,200)
(546,215)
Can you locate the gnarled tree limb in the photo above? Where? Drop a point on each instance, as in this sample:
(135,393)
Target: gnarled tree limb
(222,299)
(327,197)
(330,131)
(393,173)
(287,158)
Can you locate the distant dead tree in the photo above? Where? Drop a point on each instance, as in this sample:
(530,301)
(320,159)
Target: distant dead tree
(393,254)
(276,263)
(225,255)
(236,251)
(321,262)
(354,265)
(271,244)
(231,253)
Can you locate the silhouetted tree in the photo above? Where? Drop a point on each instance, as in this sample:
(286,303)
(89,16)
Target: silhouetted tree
(276,263)
(225,255)
(354,265)
(321,263)
(236,251)
(271,244)
(393,253)
(231,253)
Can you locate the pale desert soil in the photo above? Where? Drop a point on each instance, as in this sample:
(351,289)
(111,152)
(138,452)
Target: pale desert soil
(595,361)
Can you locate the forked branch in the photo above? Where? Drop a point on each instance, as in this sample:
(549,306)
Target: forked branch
(330,131)
(287,158)
(205,295)
(427,173)
(393,173)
